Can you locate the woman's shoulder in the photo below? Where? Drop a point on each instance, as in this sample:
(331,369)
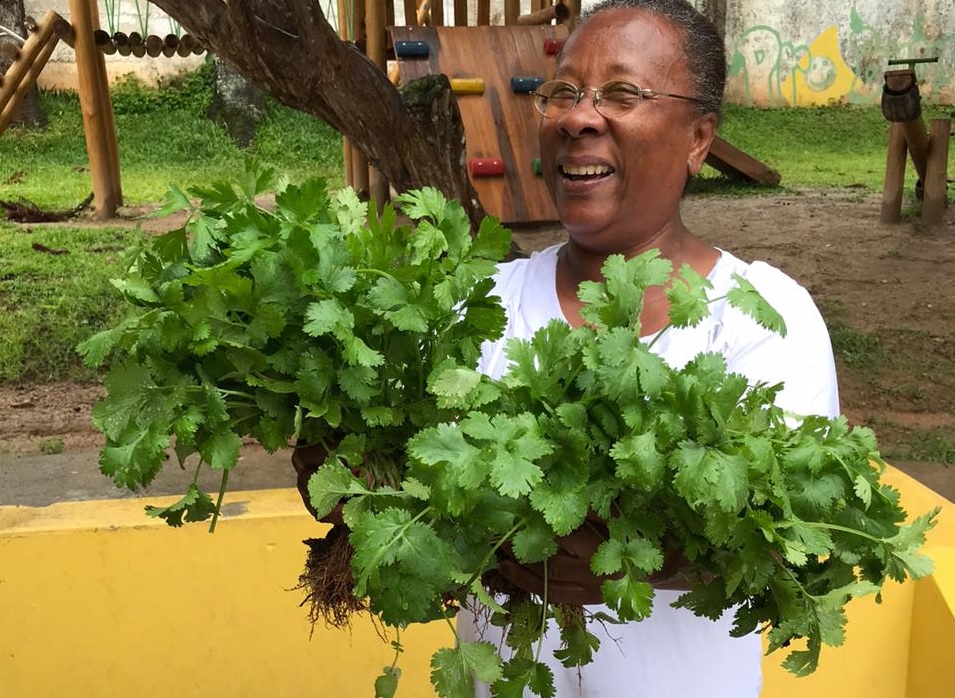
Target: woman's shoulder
(511,277)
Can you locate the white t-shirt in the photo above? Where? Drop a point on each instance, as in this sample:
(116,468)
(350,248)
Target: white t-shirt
(673,653)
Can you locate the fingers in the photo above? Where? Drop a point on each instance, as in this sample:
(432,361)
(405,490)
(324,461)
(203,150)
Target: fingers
(568,582)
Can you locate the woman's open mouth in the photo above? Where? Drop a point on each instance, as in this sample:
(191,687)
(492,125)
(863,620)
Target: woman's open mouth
(578,173)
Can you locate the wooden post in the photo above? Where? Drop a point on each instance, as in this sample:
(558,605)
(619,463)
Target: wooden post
(916,138)
(411,11)
(483,13)
(460,13)
(547,15)
(97,111)
(102,85)
(512,9)
(894,175)
(936,178)
(377,52)
(574,7)
(437,13)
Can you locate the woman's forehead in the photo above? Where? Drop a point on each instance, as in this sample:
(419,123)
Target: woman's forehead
(622,39)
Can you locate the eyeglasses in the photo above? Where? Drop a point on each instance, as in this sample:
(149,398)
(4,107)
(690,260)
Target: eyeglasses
(611,100)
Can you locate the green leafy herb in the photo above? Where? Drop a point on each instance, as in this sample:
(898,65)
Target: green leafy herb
(324,323)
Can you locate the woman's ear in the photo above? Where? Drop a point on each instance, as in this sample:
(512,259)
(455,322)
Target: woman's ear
(704,131)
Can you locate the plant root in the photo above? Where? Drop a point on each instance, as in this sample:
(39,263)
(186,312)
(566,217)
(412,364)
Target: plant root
(327,580)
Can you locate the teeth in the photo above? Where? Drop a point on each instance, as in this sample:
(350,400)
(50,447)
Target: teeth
(585,170)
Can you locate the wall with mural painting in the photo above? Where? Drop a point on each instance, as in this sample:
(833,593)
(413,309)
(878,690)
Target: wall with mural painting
(784,53)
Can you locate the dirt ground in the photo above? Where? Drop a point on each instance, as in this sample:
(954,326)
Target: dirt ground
(887,291)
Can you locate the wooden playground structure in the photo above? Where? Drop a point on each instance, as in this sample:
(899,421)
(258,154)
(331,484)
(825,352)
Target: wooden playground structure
(499,119)
(902,106)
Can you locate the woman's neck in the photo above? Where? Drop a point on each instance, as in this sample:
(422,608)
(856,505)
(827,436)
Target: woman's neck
(576,264)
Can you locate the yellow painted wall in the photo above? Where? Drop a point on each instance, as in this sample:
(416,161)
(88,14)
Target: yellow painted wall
(97,600)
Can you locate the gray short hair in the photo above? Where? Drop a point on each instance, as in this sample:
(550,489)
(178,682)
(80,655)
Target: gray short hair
(703,47)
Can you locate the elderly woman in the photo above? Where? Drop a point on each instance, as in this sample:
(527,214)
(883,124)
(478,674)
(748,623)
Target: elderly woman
(627,120)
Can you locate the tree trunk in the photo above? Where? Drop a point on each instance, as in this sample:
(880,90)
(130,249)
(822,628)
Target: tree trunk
(237,104)
(415,138)
(715,10)
(12,16)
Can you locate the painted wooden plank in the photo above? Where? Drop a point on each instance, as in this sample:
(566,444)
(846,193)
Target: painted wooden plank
(499,123)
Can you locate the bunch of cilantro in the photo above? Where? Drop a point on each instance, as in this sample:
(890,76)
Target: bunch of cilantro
(781,520)
(318,322)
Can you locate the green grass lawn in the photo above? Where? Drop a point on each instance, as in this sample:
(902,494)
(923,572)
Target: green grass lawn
(164,137)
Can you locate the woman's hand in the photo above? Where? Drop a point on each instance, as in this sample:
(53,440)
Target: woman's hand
(569,578)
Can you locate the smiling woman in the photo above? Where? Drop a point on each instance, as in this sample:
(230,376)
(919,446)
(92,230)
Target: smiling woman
(627,121)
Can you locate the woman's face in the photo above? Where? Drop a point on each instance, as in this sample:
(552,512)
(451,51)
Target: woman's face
(617,183)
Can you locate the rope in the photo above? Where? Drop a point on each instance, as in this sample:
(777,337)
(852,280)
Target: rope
(12,34)
(142,9)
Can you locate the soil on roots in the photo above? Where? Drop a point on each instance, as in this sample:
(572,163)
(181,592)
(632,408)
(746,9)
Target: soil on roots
(327,580)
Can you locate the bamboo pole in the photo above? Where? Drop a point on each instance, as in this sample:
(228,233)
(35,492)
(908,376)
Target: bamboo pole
(936,178)
(97,112)
(169,45)
(121,41)
(64,30)
(25,57)
(154,46)
(894,175)
(9,110)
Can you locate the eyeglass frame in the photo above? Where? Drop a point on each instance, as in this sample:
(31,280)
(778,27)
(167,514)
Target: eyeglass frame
(638,91)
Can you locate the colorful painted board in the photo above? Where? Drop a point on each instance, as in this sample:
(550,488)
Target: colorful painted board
(499,124)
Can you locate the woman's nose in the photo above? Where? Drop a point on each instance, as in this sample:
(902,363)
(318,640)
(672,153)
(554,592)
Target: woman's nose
(584,117)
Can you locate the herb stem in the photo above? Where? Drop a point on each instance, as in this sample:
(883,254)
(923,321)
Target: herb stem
(218,509)
(487,558)
(832,527)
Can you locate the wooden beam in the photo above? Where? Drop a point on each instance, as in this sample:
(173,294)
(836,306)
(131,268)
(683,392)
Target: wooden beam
(376,49)
(733,162)
(483,13)
(10,105)
(102,85)
(411,13)
(547,15)
(26,56)
(512,9)
(894,175)
(936,178)
(97,111)
(916,137)
(460,13)
(437,13)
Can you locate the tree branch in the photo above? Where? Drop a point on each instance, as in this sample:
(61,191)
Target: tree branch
(289,50)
